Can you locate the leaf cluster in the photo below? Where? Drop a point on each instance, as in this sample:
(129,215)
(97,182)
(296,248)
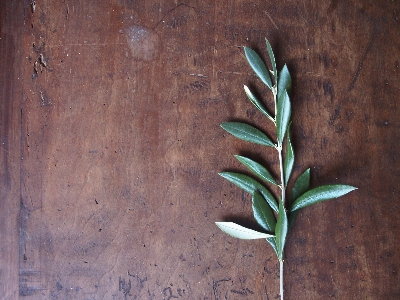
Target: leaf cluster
(275,215)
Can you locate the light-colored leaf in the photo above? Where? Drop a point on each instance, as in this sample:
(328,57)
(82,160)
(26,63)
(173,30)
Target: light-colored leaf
(257,169)
(257,103)
(282,116)
(241,232)
(250,185)
(322,193)
(272,59)
(289,158)
(263,213)
(258,66)
(284,81)
(247,133)
(281,230)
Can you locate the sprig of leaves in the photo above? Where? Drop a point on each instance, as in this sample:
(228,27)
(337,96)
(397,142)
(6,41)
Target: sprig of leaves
(274,214)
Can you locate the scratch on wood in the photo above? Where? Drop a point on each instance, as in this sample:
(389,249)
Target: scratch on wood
(304,19)
(170,293)
(215,286)
(42,60)
(45,100)
(198,75)
(140,281)
(25,290)
(170,11)
(124,286)
(266,292)
(272,21)
(150,295)
(328,89)
(360,64)
(33,6)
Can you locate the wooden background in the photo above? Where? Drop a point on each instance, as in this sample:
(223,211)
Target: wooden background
(111,148)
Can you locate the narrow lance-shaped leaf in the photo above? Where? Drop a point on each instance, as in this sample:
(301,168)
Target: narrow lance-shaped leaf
(263,213)
(257,103)
(241,232)
(247,133)
(258,66)
(272,58)
(272,242)
(300,186)
(322,193)
(289,158)
(282,116)
(250,185)
(281,230)
(257,169)
(284,81)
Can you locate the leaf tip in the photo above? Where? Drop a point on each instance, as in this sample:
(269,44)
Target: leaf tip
(223,125)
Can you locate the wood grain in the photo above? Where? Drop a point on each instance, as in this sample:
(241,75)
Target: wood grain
(111,148)
(10,147)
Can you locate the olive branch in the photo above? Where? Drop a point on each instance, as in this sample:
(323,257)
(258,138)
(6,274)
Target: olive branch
(274,214)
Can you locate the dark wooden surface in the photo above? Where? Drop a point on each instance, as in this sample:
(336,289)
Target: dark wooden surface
(111,148)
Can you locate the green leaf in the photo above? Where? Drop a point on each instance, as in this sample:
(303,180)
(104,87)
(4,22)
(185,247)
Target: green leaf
(241,232)
(272,58)
(284,81)
(257,103)
(250,185)
(257,169)
(281,230)
(247,133)
(282,116)
(272,242)
(258,66)
(263,213)
(301,185)
(322,193)
(289,158)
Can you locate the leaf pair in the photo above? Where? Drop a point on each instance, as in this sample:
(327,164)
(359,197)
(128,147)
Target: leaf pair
(302,197)
(264,217)
(251,186)
(256,63)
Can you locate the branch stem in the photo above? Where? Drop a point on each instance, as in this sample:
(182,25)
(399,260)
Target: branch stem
(281,278)
(275,92)
(283,195)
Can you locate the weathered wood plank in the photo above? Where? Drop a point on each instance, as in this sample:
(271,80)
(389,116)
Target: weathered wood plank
(119,147)
(10,148)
